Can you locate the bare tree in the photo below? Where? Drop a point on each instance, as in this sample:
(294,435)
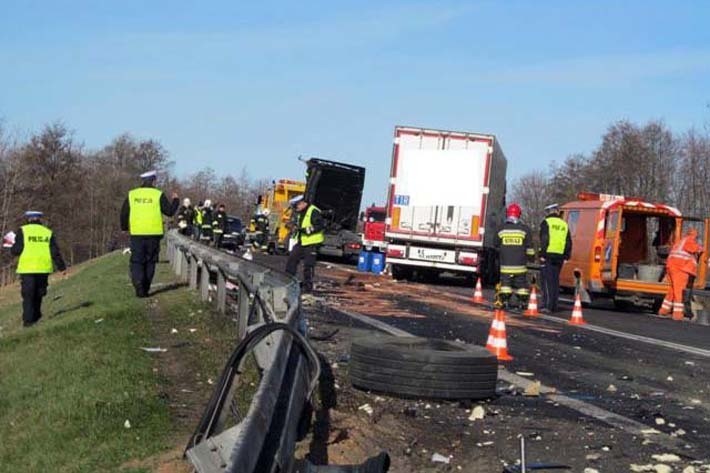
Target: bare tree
(532,192)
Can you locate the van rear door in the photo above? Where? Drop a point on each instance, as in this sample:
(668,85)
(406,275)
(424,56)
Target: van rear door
(610,249)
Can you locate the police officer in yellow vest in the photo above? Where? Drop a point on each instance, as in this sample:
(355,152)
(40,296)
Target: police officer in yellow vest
(309,235)
(555,249)
(141,217)
(39,255)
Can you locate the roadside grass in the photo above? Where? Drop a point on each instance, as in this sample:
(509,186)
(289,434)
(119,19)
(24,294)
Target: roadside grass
(68,384)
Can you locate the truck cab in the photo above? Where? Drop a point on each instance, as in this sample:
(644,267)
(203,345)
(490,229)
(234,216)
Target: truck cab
(373,230)
(620,246)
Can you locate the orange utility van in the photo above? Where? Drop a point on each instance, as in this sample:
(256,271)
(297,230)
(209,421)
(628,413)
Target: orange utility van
(619,248)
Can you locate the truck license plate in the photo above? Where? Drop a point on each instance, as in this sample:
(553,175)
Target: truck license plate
(428,254)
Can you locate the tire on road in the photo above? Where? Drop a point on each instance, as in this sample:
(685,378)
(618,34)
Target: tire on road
(423,368)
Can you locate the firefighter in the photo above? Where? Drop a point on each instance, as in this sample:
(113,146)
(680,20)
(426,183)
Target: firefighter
(515,249)
(555,249)
(185,217)
(310,235)
(207,218)
(141,217)
(261,224)
(39,254)
(681,264)
(197,221)
(219,225)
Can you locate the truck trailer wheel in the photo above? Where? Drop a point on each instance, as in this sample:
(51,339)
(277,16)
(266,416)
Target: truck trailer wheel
(423,368)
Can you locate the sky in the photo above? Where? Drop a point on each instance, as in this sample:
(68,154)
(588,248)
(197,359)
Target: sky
(233,84)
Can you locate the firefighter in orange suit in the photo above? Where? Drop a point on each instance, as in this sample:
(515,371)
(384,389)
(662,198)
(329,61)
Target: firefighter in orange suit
(682,263)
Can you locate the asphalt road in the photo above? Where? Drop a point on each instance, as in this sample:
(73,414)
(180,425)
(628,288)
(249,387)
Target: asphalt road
(645,380)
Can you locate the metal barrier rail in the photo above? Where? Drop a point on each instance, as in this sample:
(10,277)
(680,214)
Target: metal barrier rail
(268,317)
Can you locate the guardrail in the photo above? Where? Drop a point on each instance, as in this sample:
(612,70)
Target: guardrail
(268,318)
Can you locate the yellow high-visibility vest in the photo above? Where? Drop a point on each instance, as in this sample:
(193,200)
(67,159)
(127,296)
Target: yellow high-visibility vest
(145,216)
(314,238)
(557,229)
(36,258)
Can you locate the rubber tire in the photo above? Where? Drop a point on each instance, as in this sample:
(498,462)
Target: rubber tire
(423,368)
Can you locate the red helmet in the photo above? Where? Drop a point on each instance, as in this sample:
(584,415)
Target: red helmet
(513,211)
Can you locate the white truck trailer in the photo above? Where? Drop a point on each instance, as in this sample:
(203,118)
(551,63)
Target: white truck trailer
(446,200)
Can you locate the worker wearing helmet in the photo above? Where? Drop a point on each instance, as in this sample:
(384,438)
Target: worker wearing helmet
(309,236)
(682,263)
(515,249)
(39,255)
(555,249)
(219,225)
(207,219)
(142,216)
(185,216)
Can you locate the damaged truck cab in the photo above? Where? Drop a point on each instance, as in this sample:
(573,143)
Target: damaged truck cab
(620,246)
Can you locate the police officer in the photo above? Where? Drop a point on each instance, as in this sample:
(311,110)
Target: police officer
(39,255)
(310,235)
(141,216)
(219,225)
(515,248)
(555,249)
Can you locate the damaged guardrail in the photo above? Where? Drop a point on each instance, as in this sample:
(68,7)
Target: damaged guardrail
(268,317)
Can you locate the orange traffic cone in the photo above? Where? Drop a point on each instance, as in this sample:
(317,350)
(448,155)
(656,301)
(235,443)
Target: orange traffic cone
(577,318)
(478,293)
(532,304)
(497,341)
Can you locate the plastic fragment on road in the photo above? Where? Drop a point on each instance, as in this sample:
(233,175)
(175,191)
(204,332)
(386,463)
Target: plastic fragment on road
(524,373)
(666,458)
(477,413)
(366,408)
(591,470)
(439,458)
(533,389)
(640,468)
(612,388)
(660,421)
(661,468)
(154,349)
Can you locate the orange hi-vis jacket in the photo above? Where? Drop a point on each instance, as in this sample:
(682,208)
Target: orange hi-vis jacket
(683,255)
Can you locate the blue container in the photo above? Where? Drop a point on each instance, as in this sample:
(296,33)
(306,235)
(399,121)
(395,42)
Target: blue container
(378,263)
(364,261)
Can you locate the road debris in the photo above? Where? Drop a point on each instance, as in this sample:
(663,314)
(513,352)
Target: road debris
(612,388)
(439,458)
(477,413)
(666,458)
(97,321)
(154,349)
(367,408)
(533,389)
(174,331)
(127,424)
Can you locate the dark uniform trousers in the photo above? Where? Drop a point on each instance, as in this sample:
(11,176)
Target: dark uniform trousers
(33,288)
(145,251)
(308,255)
(550,273)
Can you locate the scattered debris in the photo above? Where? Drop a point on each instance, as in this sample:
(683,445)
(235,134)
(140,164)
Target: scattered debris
(367,408)
(533,389)
(439,458)
(612,388)
(593,457)
(174,331)
(154,349)
(527,374)
(666,458)
(209,381)
(678,433)
(660,421)
(690,363)
(97,321)
(192,330)
(477,413)
(661,468)
(127,424)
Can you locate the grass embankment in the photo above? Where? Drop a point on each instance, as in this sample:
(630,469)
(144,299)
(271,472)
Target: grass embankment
(69,384)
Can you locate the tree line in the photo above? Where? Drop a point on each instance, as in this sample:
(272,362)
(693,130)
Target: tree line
(647,161)
(81,190)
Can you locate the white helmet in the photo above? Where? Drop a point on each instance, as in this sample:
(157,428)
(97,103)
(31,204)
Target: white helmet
(208,203)
(266,213)
(186,202)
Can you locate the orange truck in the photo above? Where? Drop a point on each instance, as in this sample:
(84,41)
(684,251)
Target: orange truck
(619,247)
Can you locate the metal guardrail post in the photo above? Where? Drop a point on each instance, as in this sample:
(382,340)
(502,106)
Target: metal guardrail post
(244,306)
(184,266)
(205,281)
(221,292)
(177,261)
(194,263)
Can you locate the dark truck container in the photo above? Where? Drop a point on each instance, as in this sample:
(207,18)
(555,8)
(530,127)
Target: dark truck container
(336,189)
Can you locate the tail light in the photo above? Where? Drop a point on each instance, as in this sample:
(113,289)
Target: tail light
(468,259)
(597,254)
(395,252)
(354,246)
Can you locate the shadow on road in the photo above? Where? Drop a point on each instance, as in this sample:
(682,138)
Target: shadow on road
(318,454)
(73,308)
(167,288)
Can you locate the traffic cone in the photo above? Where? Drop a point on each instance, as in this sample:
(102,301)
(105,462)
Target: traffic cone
(497,341)
(532,304)
(577,318)
(478,293)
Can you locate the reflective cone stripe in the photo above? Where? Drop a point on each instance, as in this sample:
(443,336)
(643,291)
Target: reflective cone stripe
(577,318)
(532,305)
(497,341)
(478,293)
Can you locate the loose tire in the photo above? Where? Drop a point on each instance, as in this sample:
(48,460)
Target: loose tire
(423,368)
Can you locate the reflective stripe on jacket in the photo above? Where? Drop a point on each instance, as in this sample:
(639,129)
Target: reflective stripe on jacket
(514,243)
(145,216)
(36,257)
(682,256)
